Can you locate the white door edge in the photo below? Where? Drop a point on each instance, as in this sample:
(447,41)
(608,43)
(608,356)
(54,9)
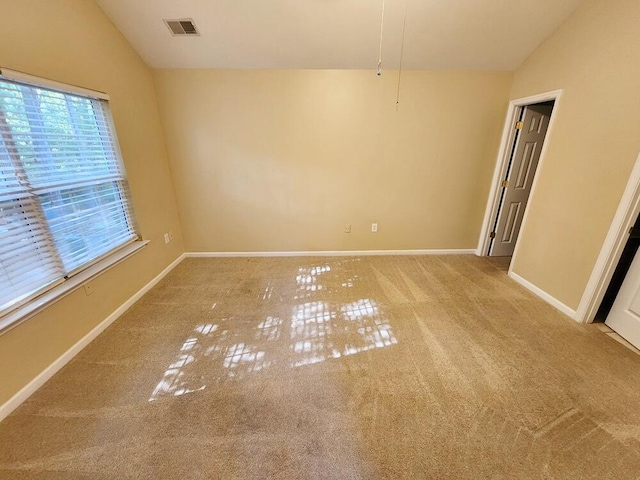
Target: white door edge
(623,317)
(502,160)
(628,210)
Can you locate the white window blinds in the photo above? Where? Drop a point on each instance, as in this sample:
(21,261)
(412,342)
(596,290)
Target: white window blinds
(63,192)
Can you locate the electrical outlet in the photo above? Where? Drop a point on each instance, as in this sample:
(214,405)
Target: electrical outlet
(347,229)
(167,239)
(170,235)
(88,288)
(374,227)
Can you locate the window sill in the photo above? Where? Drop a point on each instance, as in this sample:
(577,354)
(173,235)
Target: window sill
(39,303)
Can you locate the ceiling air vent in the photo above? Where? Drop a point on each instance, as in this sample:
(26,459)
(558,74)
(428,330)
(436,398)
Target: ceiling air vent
(184,26)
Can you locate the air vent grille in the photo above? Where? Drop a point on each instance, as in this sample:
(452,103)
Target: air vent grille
(183,26)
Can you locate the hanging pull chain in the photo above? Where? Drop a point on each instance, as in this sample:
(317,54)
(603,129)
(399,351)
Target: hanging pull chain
(379,73)
(404,26)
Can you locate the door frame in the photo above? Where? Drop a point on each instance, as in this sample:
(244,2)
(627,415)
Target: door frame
(626,214)
(502,162)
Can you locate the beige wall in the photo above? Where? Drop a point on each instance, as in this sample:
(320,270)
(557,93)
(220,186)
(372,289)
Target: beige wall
(595,58)
(72,41)
(282,160)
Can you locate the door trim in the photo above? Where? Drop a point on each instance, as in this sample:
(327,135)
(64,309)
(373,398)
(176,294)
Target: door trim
(502,162)
(628,210)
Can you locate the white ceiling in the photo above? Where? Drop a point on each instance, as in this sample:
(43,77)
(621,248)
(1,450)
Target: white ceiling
(340,34)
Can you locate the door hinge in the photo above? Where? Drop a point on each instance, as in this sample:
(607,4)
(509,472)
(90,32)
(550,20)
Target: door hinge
(519,125)
(505,183)
(492,235)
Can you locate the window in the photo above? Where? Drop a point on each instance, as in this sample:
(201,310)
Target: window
(63,195)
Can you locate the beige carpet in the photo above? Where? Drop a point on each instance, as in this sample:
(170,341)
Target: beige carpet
(345,368)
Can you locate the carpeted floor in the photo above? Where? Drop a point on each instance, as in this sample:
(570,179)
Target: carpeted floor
(427,367)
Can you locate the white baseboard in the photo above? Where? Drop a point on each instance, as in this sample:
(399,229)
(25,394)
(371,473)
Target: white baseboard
(333,253)
(30,388)
(544,296)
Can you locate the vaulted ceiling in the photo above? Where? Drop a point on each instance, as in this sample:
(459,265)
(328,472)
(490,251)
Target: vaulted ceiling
(339,34)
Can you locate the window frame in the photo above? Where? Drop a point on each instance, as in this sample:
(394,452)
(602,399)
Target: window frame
(79,276)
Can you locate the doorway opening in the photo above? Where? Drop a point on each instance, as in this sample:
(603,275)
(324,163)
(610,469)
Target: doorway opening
(620,272)
(530,132)
(524,140)
(620,307)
